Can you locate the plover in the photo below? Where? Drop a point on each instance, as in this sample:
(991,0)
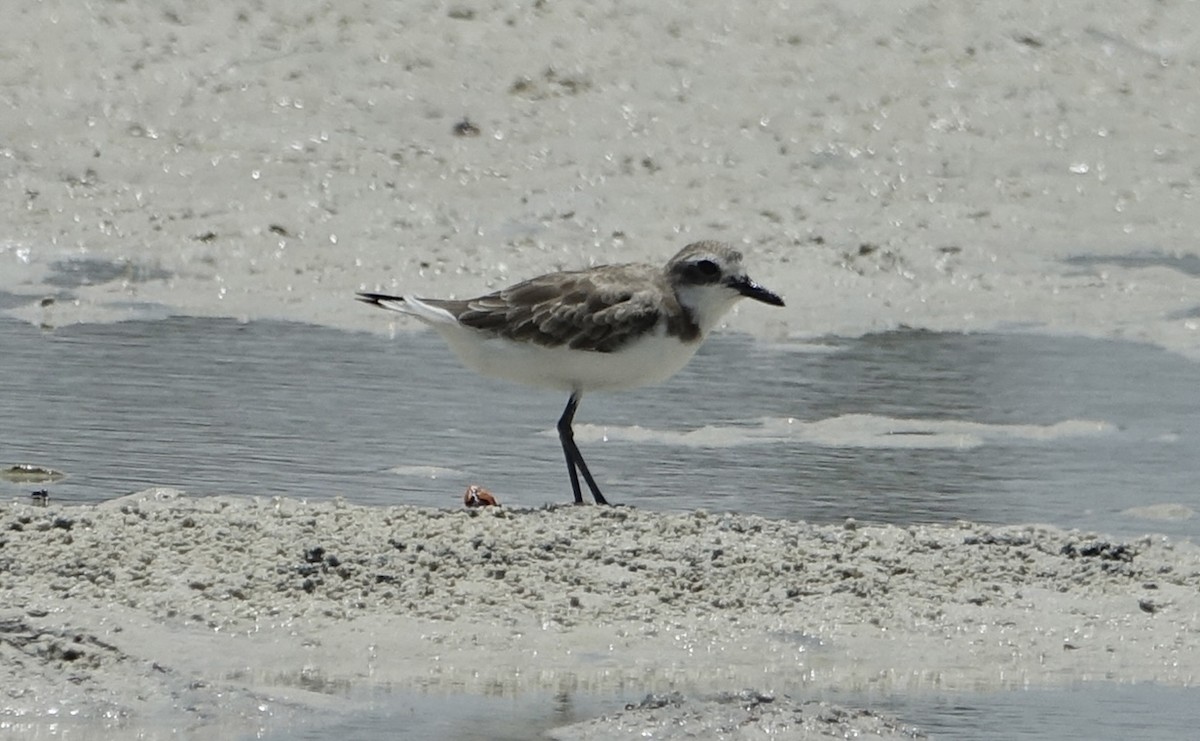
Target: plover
(608,328)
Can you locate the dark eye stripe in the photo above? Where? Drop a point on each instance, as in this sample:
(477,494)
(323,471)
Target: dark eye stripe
(702,272)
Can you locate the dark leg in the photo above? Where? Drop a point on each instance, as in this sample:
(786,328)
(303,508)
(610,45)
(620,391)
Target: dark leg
(574,458)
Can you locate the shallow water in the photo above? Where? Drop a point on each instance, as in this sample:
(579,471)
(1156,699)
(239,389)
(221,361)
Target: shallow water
(214,406)
(994,428)
(1081,712)
(435,715)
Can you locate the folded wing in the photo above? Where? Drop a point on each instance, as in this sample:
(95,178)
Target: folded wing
(577,310)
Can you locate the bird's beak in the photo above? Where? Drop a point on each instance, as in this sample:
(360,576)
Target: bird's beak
(750,289)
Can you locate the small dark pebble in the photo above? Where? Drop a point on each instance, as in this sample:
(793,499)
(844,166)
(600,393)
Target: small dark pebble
(314,555)
(990,539)
(746,698)
(1103,550)
(71,654)
(465,128)
(654,701)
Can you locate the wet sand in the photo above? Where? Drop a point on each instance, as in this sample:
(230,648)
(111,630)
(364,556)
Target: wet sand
(1007,166)
(951,168)
(232,614)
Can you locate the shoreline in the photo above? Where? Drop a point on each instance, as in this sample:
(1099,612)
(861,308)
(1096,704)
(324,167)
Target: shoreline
(161,593)
(1005,167)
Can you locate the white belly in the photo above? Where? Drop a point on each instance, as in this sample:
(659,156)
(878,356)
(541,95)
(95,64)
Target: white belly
(651,359)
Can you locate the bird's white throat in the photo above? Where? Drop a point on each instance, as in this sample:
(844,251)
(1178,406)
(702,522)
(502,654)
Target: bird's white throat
(707,304)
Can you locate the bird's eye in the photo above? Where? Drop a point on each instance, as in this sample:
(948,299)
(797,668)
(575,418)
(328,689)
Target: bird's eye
(708,268)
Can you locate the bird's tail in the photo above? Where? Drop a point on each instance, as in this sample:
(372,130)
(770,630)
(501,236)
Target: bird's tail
(384,301)
(426,310)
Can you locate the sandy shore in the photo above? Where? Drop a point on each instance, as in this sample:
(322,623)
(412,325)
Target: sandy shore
(1013,164)
(949,167)
(219,613)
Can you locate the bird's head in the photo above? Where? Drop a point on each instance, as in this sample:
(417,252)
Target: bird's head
(708,279)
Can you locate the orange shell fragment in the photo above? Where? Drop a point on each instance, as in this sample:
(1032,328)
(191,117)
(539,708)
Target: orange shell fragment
(477,496)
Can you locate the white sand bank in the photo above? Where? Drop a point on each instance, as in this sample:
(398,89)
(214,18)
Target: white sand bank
(948,166)
(234,613)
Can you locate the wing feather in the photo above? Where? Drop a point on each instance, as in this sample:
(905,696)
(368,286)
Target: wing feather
(598,310)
